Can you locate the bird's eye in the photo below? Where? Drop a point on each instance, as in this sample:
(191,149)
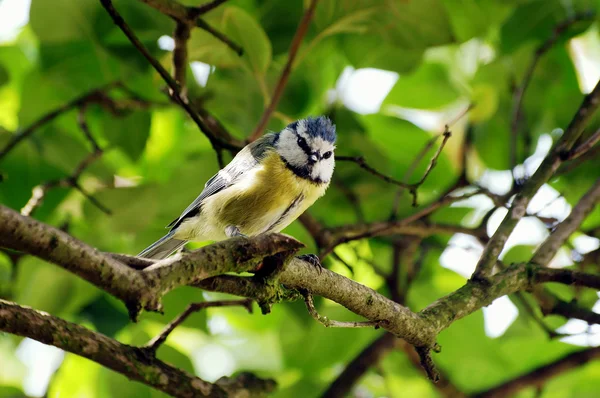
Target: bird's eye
(301,141)
(327,155)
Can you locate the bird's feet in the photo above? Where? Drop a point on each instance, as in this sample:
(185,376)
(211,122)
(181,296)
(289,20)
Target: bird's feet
(232,231)
(313,260)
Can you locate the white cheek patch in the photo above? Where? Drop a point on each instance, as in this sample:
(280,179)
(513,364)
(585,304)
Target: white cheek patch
(289,149)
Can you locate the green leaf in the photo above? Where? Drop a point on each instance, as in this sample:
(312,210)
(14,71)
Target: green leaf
(472,18)
(536,21)
(63,294)
(428,87)
(63,20)
(4,76)
(129,133)
(247,32)
(382,55)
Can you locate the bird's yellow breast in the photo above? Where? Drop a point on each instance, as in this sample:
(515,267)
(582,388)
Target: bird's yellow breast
(265,199)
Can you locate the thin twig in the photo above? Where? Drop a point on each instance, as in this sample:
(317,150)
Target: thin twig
(520,91)
(157,341)
(328,323)
(285,74)
(411,187)
(216,142)
(410,171)
(195,12)
(583,147)
(202,24)
(39,192)
(19,136)
(545,171)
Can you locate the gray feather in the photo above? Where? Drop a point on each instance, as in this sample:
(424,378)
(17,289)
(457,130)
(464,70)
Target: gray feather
(245,160)
(162,247)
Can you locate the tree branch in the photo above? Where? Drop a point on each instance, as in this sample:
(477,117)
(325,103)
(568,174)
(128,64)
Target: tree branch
(204,267)
(520,91)
(411,187)
(561,233)
(342,385)
(544,172)
(190,17)
(40,191)
(138,290)
(329,323)
(584,147)
(131,362)
(539,376)
(19,136)
(285,74)
(157,341)
(215,141)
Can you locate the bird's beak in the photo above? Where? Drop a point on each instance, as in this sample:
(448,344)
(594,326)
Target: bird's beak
(313,158)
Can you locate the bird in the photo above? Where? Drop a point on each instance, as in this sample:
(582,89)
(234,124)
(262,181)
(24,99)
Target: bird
(266,186)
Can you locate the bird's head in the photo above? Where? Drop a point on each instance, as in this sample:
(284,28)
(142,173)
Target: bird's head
(307,147)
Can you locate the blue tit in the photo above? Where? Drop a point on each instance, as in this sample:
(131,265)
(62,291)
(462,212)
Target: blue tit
(267,185)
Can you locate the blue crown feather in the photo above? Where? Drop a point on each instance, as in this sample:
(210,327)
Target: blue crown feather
(318,127)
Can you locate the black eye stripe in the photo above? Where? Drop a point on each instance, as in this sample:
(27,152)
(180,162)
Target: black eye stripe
(304,145)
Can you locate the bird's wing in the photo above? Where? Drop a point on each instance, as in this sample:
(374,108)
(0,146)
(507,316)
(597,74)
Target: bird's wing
(245,160)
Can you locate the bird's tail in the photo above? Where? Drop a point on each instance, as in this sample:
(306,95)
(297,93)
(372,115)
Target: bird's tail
(162,247)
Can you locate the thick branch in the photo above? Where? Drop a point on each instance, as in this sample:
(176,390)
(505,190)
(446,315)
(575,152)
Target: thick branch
(542,175)
(137,289)
(476,294)
(539,376)
(145,288)
(33,237)
(130,361)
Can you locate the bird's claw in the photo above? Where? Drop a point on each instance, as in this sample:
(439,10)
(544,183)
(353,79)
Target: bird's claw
(313,260)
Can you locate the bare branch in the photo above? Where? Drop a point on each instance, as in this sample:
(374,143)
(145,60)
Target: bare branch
(561,233)
(371,355)
(542,374)
(157,341)
(130,361)
(520,91)
(190,16)
(408,226)
(181,35)
(19,136)
(427,363)
(202,24)
(329,323)
(287,69)
(216,142)
(544,173)
(204,8)
(411,187)
(584,147)
(40,191)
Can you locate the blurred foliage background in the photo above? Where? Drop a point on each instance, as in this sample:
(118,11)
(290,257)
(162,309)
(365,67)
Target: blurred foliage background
(390,74)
